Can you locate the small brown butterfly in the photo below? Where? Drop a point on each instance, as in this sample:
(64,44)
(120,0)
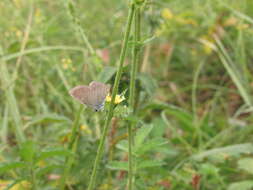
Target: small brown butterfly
(93,95)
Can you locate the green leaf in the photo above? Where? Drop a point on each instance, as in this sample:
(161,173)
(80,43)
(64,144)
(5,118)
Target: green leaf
(47,118)
(148,40)
(149,163)
(209,169)
(28,151)
(155,106)
(123,145)
(5,167)
(148,83)
(141,134)
(160,127)
(242,185)
(47,169)
(246,164)
(106,74)
(116,165)
(228,150)
(184,118)
(150,145)
(53,152)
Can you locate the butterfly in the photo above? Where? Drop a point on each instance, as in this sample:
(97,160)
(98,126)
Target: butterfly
(93,95)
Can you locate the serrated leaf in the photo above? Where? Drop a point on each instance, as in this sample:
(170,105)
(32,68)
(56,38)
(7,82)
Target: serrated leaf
(150,145)
(149,164)
(106,74)
(242,185)
(132,119)
(246,164)
(53,152)
(141,134)
(117,165)
(184,118)
(28,151)
(148,83)
(160,127)
(42,171)
(5,167)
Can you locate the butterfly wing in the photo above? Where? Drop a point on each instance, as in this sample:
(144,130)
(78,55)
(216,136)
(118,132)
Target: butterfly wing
(81,94)
(99,92)
(93,95)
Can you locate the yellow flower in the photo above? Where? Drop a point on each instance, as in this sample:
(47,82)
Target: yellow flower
(208,44)
(105,187)
(65,66)
(42,163)
(186,21)
(66,63)
(242,26)
(85,129)
(167,14)
(6,34)
(118,98)
(18,3)
(23,185)
(38,16)
(19,33)
(231,21)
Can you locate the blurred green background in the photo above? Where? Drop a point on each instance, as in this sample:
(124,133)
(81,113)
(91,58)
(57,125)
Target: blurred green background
(194,121)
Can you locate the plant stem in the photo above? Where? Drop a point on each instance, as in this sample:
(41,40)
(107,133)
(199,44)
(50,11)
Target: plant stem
(33,176)
(12,101)
(134,68)
(72,141)
(114,92)
(80,31)
(136,57)
(78,27)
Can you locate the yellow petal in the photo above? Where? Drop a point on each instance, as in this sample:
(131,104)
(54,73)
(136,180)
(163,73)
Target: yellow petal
(167,14)
(117,100)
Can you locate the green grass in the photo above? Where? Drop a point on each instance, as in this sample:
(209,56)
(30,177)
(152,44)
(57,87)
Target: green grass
(190,89)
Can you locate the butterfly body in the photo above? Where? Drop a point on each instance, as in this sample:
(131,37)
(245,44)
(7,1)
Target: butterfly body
(93,95)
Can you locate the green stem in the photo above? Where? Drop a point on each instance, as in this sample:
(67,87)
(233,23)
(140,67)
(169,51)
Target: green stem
(71,147)
(136,57)
(33,176)
(80,31)
(71,9)
(114,92)
(12,102)
(134,68)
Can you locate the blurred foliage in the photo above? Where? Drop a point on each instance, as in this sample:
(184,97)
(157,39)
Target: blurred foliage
(193,122)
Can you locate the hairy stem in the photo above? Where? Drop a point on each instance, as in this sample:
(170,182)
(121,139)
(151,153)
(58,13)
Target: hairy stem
(71,147)
(114,92)
(134,68)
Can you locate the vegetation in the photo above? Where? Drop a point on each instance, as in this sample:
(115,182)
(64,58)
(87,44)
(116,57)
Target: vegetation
(180,111)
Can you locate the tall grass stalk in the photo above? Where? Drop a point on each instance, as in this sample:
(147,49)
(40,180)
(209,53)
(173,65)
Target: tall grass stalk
(71,147)
(77,25)
(114,93)
(135,65)
(234,74)
(80,31)
(12,102)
